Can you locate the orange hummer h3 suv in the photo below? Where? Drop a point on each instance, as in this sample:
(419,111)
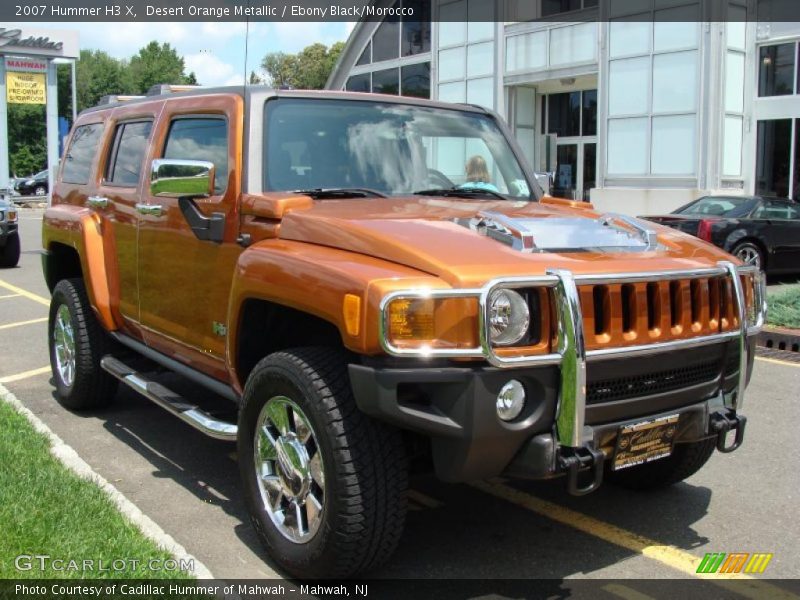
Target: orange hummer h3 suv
(371,282)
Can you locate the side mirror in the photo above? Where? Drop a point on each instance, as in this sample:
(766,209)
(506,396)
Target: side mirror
(173,178)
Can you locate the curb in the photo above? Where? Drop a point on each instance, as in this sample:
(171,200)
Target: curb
(67,456)
(778,338)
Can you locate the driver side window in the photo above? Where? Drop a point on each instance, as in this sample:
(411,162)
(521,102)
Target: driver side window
(201,138)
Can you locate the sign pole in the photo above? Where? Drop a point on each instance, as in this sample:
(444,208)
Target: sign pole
(52,126)
(74,93)
(3,131)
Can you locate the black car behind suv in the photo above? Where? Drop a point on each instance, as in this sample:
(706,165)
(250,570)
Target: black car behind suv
(36,185)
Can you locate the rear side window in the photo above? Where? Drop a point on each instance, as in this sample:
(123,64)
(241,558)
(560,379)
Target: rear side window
(127,153)
(201,138)
(80,154)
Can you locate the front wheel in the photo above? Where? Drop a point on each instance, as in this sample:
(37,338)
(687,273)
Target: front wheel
(685,461)
(325,485)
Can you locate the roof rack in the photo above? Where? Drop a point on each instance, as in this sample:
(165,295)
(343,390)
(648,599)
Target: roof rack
(114,98)
(169,88)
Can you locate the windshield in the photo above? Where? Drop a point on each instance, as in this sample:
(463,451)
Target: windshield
(719,207)
(393,149)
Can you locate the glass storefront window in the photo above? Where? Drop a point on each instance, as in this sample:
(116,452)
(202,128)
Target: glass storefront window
(359,83)
(480,59)
(386,41)
(776,70)
(675,82)
(774,157)
(564,114)
(386,82)
(627,89)
(589,114)
(366,55)
(589,169)
(416,80)
(416,36)
(627,146)
(673,144)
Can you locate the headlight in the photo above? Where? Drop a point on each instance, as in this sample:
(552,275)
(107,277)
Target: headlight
(509,317)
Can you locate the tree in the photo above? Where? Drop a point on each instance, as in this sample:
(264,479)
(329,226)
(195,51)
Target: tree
(254,79)
(156,63)
(308,69)
(27,149)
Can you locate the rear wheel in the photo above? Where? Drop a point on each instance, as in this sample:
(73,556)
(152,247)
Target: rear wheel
(77,343)
(9,254)
(685,461)
(40,191)
(749,254)
(325,484)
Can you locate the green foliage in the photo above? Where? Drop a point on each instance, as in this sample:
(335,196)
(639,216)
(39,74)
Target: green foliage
(27,148)
(308,69)
(98,75)
(156,63)
(783,308)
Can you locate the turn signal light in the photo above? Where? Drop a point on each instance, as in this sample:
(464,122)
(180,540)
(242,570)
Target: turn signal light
(432,323)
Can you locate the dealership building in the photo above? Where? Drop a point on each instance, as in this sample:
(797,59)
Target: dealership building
(637,106)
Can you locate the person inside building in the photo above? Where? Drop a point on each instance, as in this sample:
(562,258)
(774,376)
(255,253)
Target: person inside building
(478,175)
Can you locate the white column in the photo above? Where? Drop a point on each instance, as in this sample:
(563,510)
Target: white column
(74,93)
(52,126)
(4,147)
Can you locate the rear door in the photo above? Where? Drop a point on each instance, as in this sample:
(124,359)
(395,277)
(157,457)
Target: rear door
(184,282)
(115,199)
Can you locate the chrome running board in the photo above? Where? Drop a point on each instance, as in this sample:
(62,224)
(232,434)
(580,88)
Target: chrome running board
(170,401)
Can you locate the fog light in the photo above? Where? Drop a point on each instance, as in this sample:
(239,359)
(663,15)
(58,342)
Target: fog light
(510,400)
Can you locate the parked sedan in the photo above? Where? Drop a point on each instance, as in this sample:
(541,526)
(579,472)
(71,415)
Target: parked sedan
(760,231)
(36,185)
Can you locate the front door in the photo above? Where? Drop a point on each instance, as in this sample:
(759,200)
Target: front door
(575,169)
(185,282)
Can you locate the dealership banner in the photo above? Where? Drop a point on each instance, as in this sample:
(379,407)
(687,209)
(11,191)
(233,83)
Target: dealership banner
(378,10)
(25,88)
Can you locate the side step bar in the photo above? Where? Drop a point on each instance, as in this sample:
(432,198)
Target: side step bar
(170,401)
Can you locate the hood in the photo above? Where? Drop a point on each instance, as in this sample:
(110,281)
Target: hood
(458,240)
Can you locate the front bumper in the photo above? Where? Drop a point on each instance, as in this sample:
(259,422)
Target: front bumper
(456,406)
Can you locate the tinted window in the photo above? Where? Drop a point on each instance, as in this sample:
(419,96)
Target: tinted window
(364,59)
(776,210)
(80,154)
(416,35)
(358,83)
(417,80)
(773,151)
(719,206)
(201,139)
(565,114)
(386,41)
(589,113)
(776,70)
(386,82)
(130,143)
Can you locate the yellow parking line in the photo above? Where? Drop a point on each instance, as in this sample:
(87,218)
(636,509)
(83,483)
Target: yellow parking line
(26,293)
(9,296)
(625,592)
(778,362)
(663,553)
(21,323)
(24,375)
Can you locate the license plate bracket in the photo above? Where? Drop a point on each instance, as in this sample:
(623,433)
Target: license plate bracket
(645,441)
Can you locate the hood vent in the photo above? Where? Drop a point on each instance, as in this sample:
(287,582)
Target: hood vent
(608,233)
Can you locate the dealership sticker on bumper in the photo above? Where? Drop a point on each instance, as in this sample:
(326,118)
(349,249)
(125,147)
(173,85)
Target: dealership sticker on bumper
(645,442)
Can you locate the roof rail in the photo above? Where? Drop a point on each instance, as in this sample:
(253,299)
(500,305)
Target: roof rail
(170,88)
(114,98)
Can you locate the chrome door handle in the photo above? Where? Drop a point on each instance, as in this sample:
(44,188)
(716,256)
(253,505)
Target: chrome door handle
(97,201)
(149,209)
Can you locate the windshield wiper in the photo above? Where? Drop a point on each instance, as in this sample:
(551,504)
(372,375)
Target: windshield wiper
(323,193)
(461,193)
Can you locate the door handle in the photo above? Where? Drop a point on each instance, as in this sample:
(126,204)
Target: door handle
(154,210)
(97,201)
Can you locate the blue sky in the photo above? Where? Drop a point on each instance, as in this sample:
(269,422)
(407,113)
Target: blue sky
(215,51)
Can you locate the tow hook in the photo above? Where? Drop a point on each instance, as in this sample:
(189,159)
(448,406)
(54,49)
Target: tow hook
(575,460)
(721,424)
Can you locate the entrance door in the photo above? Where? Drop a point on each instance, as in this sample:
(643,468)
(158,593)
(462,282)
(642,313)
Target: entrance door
(575,169)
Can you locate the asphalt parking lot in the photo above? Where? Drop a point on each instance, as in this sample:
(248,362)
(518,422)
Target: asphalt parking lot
(188,484)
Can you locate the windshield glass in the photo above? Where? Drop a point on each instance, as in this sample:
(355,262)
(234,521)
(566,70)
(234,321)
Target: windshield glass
(394,149)
(719,206)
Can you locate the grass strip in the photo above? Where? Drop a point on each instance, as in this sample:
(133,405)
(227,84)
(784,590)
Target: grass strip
(47,510)
(783,308)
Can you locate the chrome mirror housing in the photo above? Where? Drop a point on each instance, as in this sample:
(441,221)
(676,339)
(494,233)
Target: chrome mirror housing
(172,178)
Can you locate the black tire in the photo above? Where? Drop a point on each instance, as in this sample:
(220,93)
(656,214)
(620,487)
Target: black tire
(685,461)
(364,464)
(9,254)
(750,253)
(91,387)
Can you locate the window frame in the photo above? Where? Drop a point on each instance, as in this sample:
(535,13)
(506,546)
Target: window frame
(195,116)
(111,159)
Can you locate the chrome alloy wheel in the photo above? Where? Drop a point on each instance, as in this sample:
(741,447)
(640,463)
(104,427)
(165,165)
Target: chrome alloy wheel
(64,343)
(289,469)
(749,256)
